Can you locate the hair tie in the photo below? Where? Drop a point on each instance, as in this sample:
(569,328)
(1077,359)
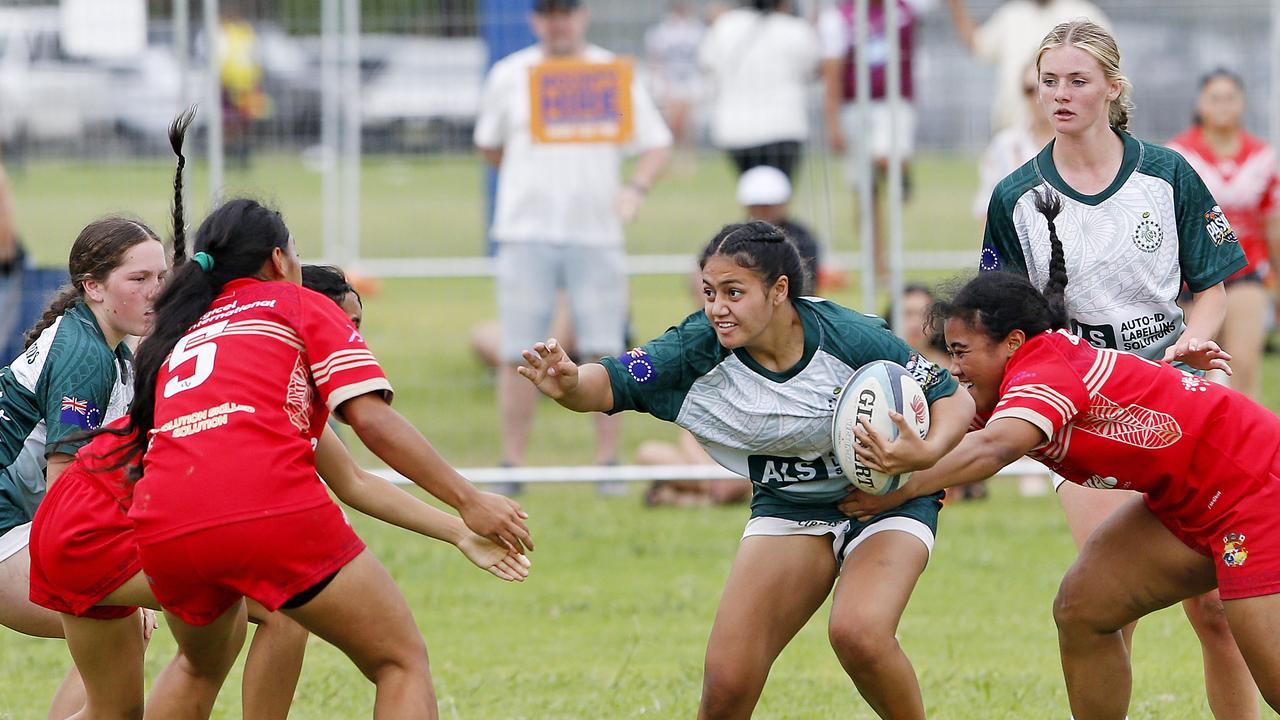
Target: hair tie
(204,260)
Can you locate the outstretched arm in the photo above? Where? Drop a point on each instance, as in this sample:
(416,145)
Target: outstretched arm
(400,445)
(584,388)
(378,498)
(980,454)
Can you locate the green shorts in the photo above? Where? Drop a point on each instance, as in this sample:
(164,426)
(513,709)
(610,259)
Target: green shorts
(918,518)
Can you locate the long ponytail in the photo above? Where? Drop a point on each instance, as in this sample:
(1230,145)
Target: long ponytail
(1049,203)
(177,135)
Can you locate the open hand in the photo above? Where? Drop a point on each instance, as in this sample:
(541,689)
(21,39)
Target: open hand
(500,561)
(549,368)
(1200,354)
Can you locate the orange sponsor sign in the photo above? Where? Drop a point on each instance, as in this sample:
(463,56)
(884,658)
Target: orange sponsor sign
(580,102)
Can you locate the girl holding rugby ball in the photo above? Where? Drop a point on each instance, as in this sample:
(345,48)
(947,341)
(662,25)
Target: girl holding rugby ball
(754,377)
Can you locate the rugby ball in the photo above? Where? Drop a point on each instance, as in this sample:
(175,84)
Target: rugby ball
(874,390)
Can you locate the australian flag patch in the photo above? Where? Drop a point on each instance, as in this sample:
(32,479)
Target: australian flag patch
(638,365)
(80,413)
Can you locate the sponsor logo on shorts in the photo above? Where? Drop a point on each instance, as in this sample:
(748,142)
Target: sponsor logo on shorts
(1215,223)
(638,365)
(820,523)
(1234,552)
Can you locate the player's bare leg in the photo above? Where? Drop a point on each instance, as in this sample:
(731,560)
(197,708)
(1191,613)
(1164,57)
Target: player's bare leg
(207,653)
(394,657)
(1256,624)
(69,697)
(517,399)
(774,587)
(1232,693)
(273,664)
(1110,586)
(109,654)
(17,612)
(874,587)
(1086,509)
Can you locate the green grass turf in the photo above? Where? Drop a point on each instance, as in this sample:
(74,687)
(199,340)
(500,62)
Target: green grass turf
(615,619)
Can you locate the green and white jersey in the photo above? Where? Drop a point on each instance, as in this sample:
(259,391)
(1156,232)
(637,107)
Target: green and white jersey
(1128,249)
(67,382)
(774,428)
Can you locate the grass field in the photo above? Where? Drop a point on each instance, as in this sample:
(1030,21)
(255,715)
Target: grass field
(615,618)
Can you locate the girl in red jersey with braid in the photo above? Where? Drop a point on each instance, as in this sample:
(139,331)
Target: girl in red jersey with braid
(233,388)
(85,565)
(1204,458)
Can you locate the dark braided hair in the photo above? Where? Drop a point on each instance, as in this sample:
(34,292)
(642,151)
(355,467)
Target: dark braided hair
(177,135)
(99,248)
(1001,302)
(102,245)
(763,249)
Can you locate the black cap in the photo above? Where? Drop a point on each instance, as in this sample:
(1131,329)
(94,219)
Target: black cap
(546,6)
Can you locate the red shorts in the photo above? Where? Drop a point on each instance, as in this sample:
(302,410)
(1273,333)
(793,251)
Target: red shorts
(82,548)
(1243,542)
(198,575)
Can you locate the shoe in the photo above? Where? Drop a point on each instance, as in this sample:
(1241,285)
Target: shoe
(612,488)
(508,488)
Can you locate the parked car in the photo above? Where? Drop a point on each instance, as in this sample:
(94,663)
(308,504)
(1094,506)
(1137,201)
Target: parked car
(46,95)
(420,93)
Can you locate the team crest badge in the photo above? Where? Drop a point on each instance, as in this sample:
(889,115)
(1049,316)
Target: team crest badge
(1148,236)
(1234,552)
(638,365)
(1215,222)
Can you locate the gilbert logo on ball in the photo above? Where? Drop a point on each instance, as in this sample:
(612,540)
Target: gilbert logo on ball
(874,390)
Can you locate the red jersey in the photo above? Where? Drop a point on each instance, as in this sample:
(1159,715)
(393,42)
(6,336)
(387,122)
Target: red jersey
(240,404)
(1115,420)
(93,460)
(1246,186)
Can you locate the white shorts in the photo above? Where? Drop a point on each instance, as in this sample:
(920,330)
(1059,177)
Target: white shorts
(15,540)
(1057,480)
(875,136)
(529,276)
(841,543)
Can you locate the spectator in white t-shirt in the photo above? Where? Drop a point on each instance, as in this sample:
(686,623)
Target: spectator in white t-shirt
(761,60)
(558,218)
(1009,39)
